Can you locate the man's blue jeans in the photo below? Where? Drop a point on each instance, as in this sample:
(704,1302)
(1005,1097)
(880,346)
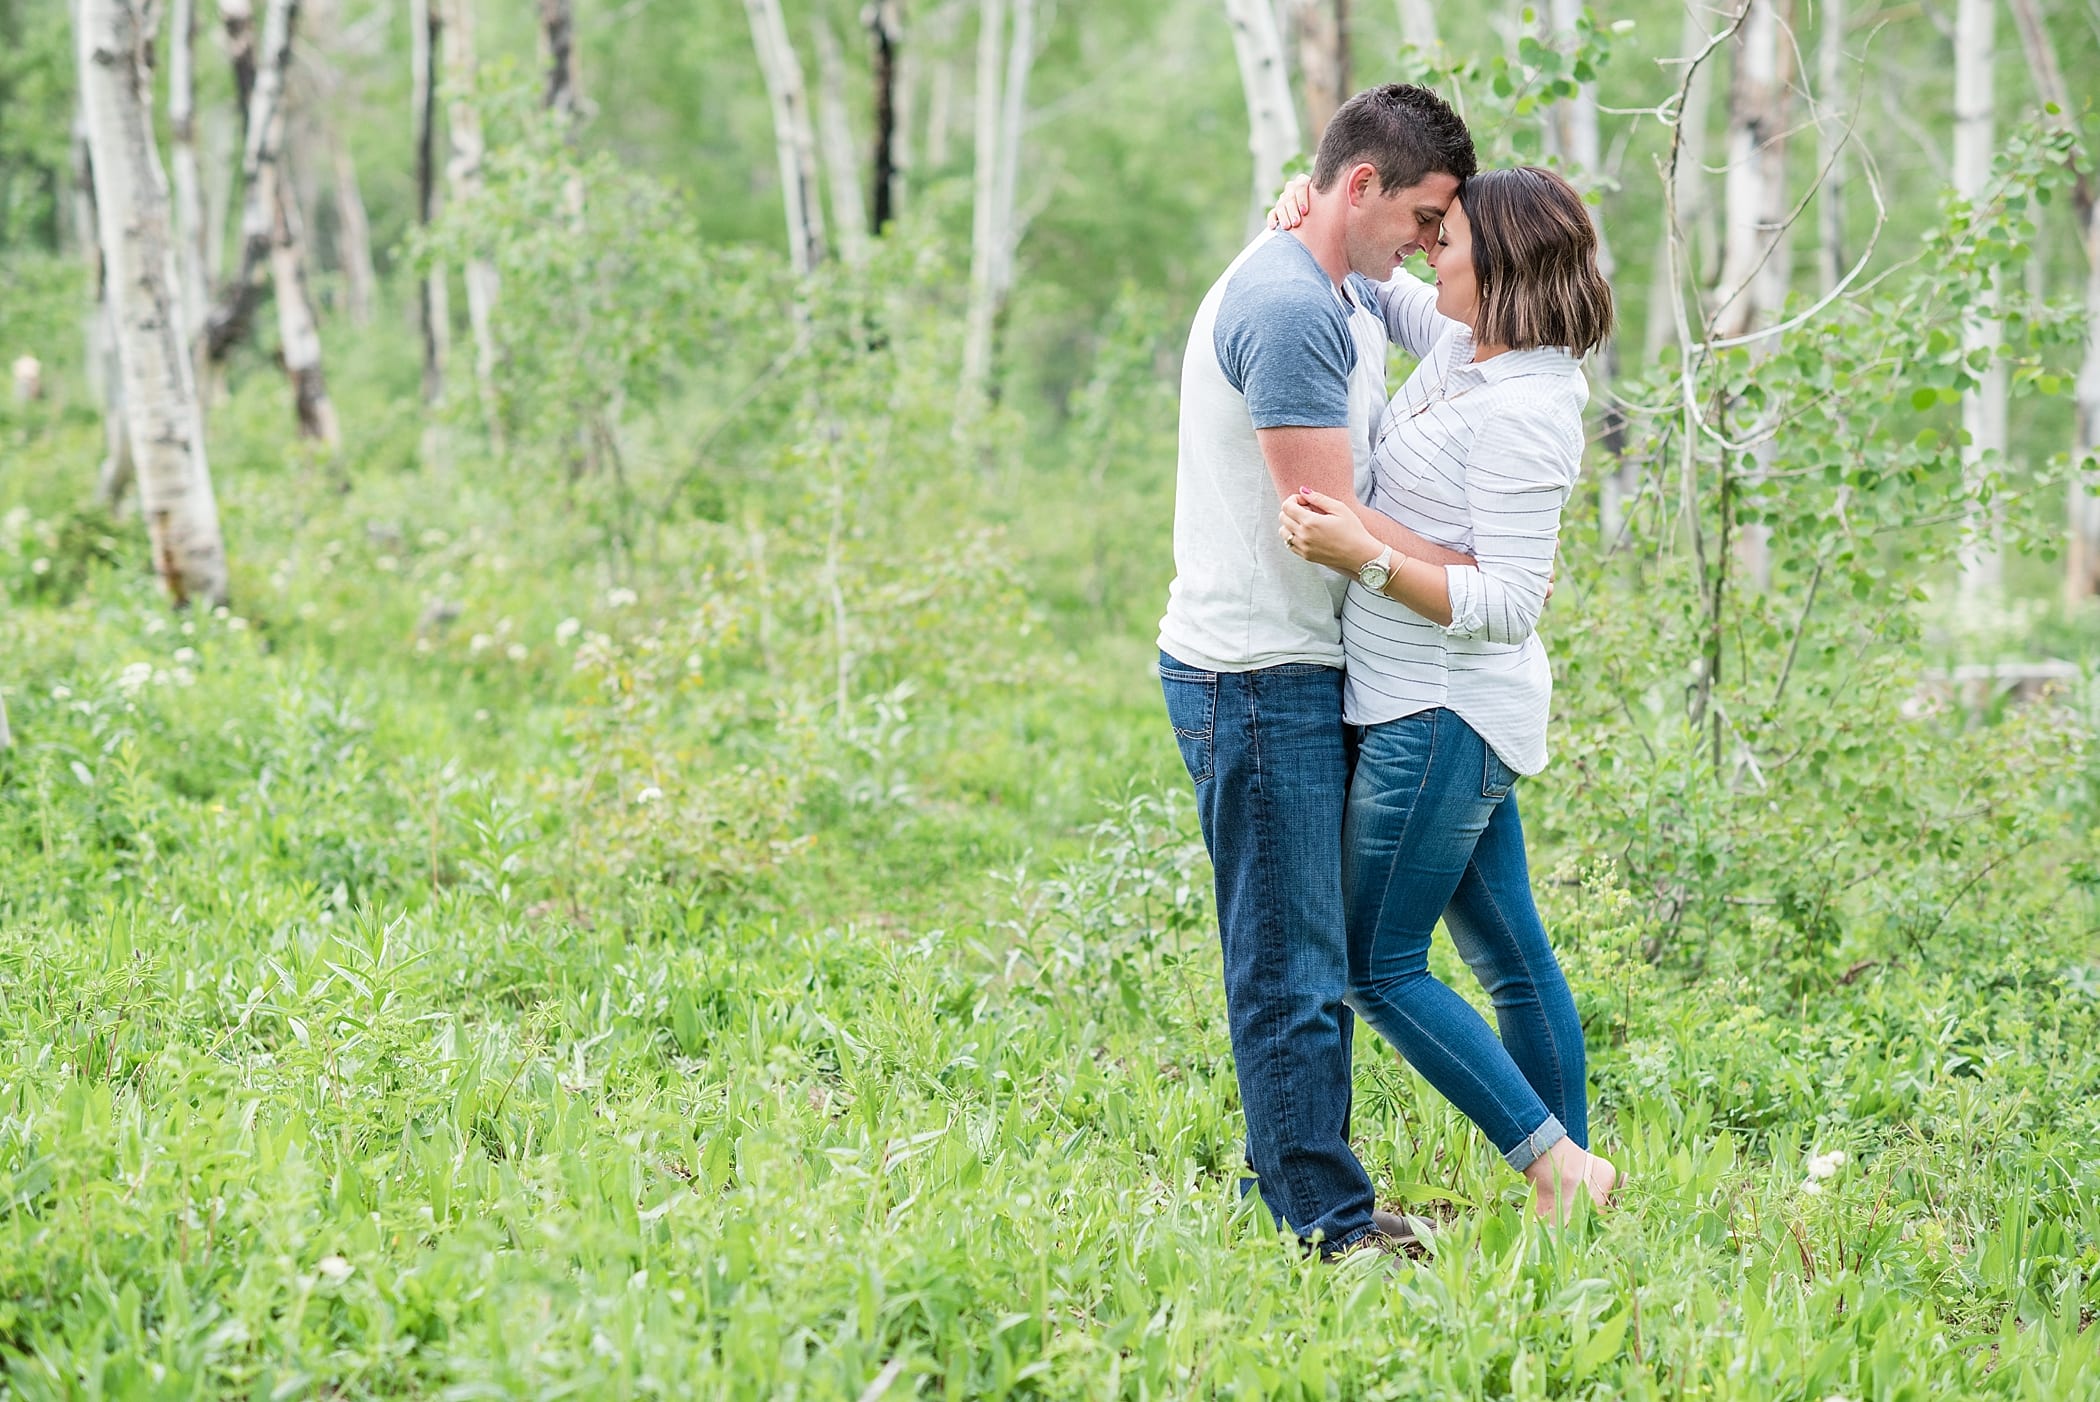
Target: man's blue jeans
(1270,759)
(1432,830)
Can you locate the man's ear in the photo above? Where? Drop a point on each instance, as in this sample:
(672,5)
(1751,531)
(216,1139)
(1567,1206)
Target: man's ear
(1360,178)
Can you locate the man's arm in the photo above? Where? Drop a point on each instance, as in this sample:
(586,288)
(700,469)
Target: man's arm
(1320,458)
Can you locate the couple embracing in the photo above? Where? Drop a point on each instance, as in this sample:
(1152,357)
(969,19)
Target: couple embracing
(1349,655)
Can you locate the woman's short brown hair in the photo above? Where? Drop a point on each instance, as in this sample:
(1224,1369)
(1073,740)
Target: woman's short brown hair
(1535,256)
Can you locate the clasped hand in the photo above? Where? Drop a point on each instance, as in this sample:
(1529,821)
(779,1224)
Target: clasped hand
(1326,531)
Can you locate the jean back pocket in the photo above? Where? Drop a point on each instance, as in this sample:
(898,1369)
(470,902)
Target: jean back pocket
(1192,707)
(1495,776)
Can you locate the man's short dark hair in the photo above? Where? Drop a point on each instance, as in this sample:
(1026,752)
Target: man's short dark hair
(1407,132)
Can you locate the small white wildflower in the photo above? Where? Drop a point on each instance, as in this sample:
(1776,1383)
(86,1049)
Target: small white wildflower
(40,565)
(516,652)
(156,624)
(480,642)
(189,627)
(432,539)
(186,655)
(649,795)
(222,612)
(620,598)
(1810,1187)
(424,647)
(565,631)
(334,1269)
(236,623)
(134,676)
(386,564)
(481,715)
(1826,1165)
(60,693)
(183,676)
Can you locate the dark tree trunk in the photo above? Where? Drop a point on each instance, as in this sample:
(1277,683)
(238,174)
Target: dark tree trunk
(424,40)
(886,26)
(558,25)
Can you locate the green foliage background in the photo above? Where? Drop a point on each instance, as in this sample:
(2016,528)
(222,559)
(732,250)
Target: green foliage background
(704,903)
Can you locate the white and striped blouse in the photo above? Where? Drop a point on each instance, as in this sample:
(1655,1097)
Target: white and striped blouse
(1479,458)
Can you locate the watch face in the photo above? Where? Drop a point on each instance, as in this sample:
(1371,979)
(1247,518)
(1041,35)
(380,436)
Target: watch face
(1374,575)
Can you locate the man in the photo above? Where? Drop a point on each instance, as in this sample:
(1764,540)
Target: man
(1282,387)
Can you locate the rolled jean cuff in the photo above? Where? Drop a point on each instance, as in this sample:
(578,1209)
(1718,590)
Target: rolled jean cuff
(1526,1150)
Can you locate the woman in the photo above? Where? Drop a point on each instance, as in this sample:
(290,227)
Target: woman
(1448,683)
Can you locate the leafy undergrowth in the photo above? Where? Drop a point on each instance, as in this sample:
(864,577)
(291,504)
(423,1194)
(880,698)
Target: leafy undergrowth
(479,970)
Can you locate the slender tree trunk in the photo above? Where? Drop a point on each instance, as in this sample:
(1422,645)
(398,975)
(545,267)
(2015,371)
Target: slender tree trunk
(221,159)
(940,40)
(1695,211)
(1574,119)
(298,335)
(113,478)
(262,174)
(1830,127)
(2082,564)
(892,123)
(558,31)
(1754,261)
(794,143)
(1982,408)
(1272,120)
(2082,578)
(237,28)
(1002,108)
(1418,24)
(463,176)
(353,234)
(1323,59)
(1756,152)
(849,211)
(182,163)
(425,30)
(133,218)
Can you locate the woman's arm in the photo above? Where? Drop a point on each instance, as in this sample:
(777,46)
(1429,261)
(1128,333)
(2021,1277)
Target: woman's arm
(1519,475)
(1327,532)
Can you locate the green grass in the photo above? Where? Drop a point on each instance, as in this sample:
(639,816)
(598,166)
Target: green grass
(364,1031)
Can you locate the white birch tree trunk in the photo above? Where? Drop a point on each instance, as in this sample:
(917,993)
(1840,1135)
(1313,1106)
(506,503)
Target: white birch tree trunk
(182,163)
(2082,576)
(849,212)
(1323,60)
(1755,152)
(1754,256)
(794,143)
(114,476)
(261,165)
(353,234)
(1982,408)
(940,88)
(1830,128)
(1418,24)
(162,416)
(463,177)
(984,203)
(1272,119)
(298,334)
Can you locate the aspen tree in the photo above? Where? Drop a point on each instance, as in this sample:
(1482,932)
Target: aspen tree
(1322,36)
(1983,407)
(849,212)
(794,142)
(1272,119)
(134,225)
(463,180)
(432,312)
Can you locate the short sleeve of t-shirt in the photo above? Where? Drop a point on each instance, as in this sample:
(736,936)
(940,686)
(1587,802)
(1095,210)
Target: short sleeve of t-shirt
(1282,339)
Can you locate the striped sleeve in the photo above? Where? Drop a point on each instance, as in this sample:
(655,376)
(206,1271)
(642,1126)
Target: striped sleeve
(1408,307)
(1519,475)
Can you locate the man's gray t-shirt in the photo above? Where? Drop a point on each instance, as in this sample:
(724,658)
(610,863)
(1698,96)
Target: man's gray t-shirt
(1275,344)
